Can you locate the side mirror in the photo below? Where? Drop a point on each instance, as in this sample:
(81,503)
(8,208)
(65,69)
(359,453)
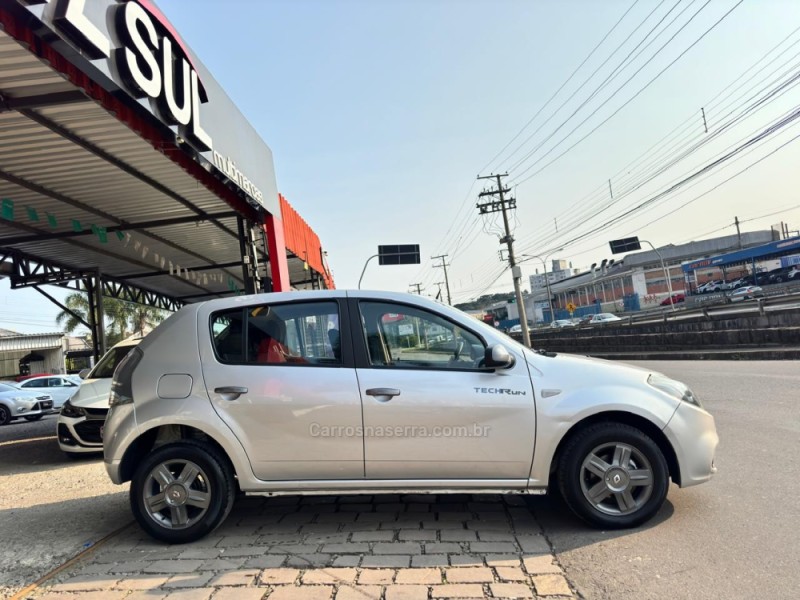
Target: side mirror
(497,357)
(84,373)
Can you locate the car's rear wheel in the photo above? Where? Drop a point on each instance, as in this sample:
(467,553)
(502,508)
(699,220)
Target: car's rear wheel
(5,415)
(33,417)
(182,492)
(613,476)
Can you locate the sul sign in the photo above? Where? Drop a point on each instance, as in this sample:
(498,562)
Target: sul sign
(149,58)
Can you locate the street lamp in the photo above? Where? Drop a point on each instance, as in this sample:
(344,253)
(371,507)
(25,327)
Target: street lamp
(634,243)
(546,279)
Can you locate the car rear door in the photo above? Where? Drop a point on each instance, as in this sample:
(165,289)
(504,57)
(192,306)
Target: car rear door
(430,412)
(281,376)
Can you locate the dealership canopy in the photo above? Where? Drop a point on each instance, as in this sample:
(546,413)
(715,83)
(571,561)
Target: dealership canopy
(125,169)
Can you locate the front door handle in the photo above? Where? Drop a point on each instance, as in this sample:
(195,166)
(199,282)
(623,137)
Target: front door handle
(231,390)
(390,392)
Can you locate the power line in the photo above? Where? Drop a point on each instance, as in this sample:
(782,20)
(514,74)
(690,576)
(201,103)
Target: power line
(631,99)
(563,85)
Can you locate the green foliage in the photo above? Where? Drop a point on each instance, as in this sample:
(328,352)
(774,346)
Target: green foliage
(122,319)
(485,301)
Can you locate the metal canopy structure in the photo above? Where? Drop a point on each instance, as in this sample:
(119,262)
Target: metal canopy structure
(774,249)
(99,195)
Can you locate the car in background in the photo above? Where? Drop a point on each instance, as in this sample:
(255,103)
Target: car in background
(82,416)
(603,318)
(22,404)
(515,328)
(778,275)
(734,284)
(60,387)
(710,286)
(228,397)
(561,323)
(748,292)
(794,273)
(674,299)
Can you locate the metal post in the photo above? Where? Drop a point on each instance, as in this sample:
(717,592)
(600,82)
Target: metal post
(663,268)
(365,269)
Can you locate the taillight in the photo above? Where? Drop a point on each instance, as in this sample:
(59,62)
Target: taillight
(121,388)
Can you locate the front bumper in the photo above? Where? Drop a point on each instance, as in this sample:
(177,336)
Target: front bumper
(32,409)
(81,434)
(693,435)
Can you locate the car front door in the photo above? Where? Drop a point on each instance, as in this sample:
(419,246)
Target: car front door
(430,410)
(281,376)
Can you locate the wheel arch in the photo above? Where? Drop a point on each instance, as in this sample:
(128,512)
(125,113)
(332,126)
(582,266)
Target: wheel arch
(647,427)
(162,435)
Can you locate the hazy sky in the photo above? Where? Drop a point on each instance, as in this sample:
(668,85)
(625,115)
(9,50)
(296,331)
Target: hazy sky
(380,114)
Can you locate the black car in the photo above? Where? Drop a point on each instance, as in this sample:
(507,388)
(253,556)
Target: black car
(778,275)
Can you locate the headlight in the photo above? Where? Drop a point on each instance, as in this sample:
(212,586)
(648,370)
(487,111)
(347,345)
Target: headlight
(73,412)
(674,388)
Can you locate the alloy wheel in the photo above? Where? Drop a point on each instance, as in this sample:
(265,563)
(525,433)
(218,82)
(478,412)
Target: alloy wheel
(616,478)
(176,494)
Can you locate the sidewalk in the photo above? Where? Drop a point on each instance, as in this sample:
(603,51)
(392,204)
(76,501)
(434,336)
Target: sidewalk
(387,547)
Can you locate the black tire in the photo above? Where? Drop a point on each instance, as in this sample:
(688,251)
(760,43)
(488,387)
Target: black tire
(33,417)
(5,415)
(214,481)
(576,480)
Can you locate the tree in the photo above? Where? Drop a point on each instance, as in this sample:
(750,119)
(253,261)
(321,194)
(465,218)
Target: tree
(122,319)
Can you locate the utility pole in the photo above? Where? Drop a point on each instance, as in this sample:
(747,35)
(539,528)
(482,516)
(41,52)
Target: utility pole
(418,286)
(738,233)
(439,284)
(504,205)
(444,266)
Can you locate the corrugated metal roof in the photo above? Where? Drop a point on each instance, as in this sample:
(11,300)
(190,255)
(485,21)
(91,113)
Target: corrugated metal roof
(34,341)
(57,185)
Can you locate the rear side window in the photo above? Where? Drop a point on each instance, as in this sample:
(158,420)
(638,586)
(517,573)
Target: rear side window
(305,333)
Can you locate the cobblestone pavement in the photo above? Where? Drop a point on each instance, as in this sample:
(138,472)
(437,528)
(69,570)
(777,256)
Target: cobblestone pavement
(386,547)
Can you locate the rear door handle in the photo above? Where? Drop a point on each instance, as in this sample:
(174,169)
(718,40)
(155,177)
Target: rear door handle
(233,390)
(390,392)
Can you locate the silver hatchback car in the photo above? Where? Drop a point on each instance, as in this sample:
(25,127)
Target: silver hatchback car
(370,392)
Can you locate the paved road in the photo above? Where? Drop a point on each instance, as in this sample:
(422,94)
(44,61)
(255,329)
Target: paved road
(736,537)
(51,507)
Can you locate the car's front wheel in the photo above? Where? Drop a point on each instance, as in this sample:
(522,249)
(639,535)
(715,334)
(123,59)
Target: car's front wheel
(613,476)
(182,491)
(5,415)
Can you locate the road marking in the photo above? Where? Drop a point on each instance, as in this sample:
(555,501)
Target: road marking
(28,440)
(78,557)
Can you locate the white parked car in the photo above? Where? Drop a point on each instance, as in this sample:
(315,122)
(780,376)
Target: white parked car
(16,403)
(602,318)
(82,416)
(320,392)
(60,387)
(560,323)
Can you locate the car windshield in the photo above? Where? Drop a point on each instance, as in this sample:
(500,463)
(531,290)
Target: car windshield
(7,388)
(105,368)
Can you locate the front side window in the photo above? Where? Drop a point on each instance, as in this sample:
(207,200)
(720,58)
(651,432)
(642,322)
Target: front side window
(295,334)
(404,336)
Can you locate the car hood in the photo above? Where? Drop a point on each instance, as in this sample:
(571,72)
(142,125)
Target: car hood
(18,393)
(572,370)
(93,393)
